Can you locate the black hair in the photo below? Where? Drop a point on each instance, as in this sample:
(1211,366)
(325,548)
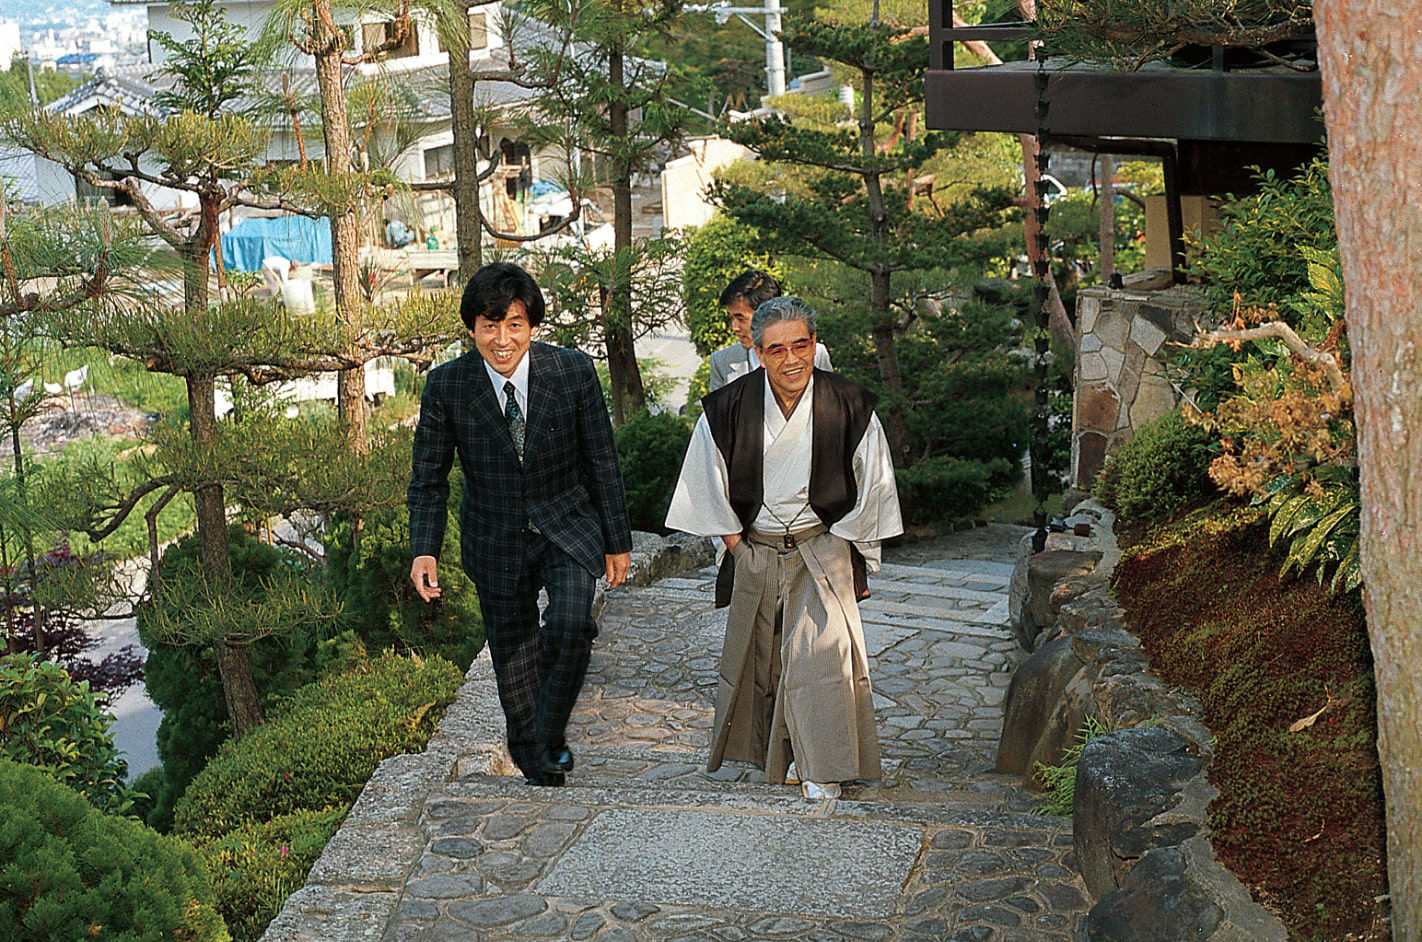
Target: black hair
(493,288)
(755,287)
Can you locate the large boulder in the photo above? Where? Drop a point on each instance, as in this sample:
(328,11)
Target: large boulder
(1030,600)
(1181,893)
(658,557)
(1129,801)
(1032,698)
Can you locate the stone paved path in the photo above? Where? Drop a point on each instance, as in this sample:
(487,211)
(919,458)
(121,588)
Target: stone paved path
(644,844)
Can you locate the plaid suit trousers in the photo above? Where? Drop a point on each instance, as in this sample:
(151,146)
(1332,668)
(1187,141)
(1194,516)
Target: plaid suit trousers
(540,667)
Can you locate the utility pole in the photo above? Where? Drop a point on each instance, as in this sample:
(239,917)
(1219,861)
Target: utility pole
(774,49)
(30,68)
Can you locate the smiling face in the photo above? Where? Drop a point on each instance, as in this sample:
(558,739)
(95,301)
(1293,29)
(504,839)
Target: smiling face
(739,311)
(503,343)
(787,351)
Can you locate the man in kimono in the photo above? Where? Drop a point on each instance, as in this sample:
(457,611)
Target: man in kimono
(746,292)
(790,467)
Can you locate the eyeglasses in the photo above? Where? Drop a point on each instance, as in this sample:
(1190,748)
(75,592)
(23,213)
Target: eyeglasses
(777,352)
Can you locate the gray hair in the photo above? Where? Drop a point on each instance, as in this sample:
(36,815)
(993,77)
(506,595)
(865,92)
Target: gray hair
(784,308)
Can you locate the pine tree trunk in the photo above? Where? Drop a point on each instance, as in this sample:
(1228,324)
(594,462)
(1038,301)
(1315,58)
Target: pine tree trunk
(628,395)
(345,228)
(1372,86)
(886,343)
(467,211)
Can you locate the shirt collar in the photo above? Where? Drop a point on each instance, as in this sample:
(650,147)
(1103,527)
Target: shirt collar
(519,379)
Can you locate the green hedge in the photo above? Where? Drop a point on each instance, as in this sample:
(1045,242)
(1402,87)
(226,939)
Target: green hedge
(255,868)
(945,488)
(48,720)
(651,448)
(318,750)
(67,871)
(1162,468)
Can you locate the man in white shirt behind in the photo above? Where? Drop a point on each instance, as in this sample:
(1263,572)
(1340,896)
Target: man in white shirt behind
(746,292)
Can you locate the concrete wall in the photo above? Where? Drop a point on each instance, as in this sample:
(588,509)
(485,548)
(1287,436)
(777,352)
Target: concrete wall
(684,181)
(1123,340)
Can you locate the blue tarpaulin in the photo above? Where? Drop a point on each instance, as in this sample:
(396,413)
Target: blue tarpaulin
(297,238)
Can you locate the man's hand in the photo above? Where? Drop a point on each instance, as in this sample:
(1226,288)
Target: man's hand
(617,566)
(731,540)
(423,575)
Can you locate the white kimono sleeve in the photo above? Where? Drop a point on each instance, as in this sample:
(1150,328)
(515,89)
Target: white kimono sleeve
(701,504)
(875,515)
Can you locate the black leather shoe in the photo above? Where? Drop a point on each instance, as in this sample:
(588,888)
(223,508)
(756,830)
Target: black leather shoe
(546,779)
(557,760)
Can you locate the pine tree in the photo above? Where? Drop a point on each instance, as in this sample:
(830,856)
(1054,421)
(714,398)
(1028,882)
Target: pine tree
(849,191)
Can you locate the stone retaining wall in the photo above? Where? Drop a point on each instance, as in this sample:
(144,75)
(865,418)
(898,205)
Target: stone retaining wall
(1123,339)
(1140,827)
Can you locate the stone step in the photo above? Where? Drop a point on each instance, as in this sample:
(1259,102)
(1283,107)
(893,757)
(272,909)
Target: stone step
(857,801)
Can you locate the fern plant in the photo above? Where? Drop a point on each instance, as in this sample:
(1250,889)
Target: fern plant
(1317,515)
(1060,779)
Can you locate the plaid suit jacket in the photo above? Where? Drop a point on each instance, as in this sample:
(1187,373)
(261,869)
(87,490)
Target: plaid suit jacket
(569,484)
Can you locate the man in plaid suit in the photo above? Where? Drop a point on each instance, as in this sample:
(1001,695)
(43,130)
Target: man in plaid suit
(543,505)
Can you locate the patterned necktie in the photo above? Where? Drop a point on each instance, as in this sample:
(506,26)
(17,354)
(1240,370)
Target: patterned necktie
(515,419)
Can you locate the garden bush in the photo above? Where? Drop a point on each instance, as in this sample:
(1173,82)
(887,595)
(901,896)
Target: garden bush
(183,680)
(318,748)
(715,254)
(255,868)
(944,488)
(1161,469)
(68,871)
(651,448)
(379,603)
(50,721)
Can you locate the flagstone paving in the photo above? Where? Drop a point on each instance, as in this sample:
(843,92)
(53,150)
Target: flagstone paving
(644,844)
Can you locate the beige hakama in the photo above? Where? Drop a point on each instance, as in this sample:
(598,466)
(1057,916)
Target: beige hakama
(794,680)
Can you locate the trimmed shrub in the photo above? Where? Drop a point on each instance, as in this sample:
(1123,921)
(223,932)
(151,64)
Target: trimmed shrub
(379,602)
(945,488)
(651,448)
(48,720)
(715,254)
(1161,469)
(67,871)
(183,681)
(255,868)
(319,749)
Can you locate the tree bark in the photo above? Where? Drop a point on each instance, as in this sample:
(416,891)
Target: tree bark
(628,395)
(1372,86)
(345,228)
(468,225)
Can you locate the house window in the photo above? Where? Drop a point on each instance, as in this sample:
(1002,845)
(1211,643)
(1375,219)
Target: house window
(86,192)
(439,162)
(378,35)
(478,33)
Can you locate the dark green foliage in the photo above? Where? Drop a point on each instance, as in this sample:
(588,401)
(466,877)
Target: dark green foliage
(50,84)
(69,872)
(651,448)
(49,721)
(963,392)
(183,680)
(943,489)
(715,254)
(379,602)
(255,868)
(1162,468)
(1319,519)
(318,748)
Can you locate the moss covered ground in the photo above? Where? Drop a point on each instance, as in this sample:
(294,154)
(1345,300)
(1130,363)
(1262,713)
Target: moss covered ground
(1284,672)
